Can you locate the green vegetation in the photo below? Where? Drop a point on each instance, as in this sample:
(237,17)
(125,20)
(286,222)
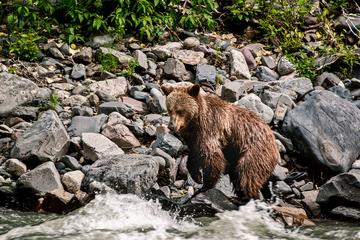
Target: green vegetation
(53,102)
(280,23)
(109,62)
(130,70)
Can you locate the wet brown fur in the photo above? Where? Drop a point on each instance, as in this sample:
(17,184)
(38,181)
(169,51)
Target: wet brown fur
(222,138)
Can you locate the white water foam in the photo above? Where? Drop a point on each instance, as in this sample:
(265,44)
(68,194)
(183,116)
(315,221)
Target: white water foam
(113,216)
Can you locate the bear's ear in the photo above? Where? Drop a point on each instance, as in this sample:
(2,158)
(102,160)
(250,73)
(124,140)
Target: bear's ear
(194,90)
(167,89)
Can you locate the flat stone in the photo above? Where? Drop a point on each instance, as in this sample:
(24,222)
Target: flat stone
(265,74)
(268,61)
(114,87)
(15,167)
(346,212)
(75,100)
(189,57)
(82,124)
(72,181)
(253,103)
(46,139)
(120,135)
(127,173)
(134,104)
(165,51)
(15,91)
(71,162)
(97,146)
(43,178)
(294,216)
(109,107)
(231,91)
(205,73)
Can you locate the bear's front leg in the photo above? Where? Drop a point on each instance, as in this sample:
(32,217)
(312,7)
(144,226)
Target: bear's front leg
(194,165)
(214,166)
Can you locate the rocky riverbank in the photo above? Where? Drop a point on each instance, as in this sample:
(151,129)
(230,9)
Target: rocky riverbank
(70,129)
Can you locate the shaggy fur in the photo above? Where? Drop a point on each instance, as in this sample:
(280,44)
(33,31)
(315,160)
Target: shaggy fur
(222,138)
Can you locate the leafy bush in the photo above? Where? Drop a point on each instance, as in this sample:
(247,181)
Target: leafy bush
(109,62)
(23,46)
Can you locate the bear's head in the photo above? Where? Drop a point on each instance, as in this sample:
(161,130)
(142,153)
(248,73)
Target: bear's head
(182,105)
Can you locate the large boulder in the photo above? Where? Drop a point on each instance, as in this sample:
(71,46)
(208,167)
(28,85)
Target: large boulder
(14,92)
(343,189)
(325,128)
(46,139)
(43,178)
(129,173)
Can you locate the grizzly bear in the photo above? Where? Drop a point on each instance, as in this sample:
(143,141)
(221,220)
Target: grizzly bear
(222,138)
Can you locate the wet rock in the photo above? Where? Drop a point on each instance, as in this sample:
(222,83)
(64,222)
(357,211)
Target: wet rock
(97,146)
(84,56)
(309,202)
(282,188)
(15,91)
(225,186)
(346,212)
(205,73)
(168,143)
(285,67)
(120,135)
(78,72)
(58,201)
(109,107)
(15,167)
(167,171)
(239,67)
(129,173)
(292,216)
(191,42)
(113,87)
(340,190)
(320,128)
(266,74)
(82,124)
(207,204)
(141,58)
(327,80)
(189,57)
(72,181)
(174,68)
(43,178)
(253,103)
(70,162)
(46,139)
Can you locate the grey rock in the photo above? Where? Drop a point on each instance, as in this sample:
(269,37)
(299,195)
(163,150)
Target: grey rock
(346,212)
(356,164)
(165,51)
(280,103)
(350,21)
(141,58)
(72,181)
(265,74)
(71,162)
(343,188)
(253,103)
(46,139)
(168,143)
(123,58)
(84,56)
(307,187)
(78,72)
(189,57)
(15,167)
(191,42)
(205,73)
(97,146)
(341,92)
(82,111)
(129,173)
(43,178)
(225,186)
(174,68)
(297,86)
(231,91)
(65,49)
(120,135)
(327,80)
(268,61)
(25,112)
(156,102)
(82,124)
(142,96)
(109,107)
(319,128)
(56,53)
(249,58)
(113,87)
(285,67)
(309,201)
(103,40)
(281,187)
(280,173)
(239,67)
(15,91)
(75,100)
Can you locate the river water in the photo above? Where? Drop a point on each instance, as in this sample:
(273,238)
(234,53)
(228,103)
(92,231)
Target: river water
(112,216)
